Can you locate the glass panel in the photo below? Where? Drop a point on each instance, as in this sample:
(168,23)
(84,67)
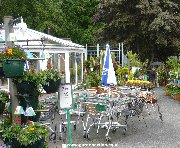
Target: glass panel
(72,67)
(79,67)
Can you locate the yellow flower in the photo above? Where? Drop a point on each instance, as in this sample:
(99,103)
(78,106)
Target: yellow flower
(31,129)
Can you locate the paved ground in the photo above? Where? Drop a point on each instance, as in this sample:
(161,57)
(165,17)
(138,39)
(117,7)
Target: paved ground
(155,135)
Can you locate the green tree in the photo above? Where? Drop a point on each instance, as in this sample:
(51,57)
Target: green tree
(61,18)
(38,15)
(148,27)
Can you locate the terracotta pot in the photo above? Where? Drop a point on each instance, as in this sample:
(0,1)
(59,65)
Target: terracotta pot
(94,88)
(177,97)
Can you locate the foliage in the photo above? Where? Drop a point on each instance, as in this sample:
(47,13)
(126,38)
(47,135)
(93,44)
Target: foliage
(33,132)
(4,96)
(41,106)
(121,75)
(176,89)
(11,131)
(146,27)
(133,59)
(173,89)
(30,76)
(122,71)
(77,14)
(25,134)
(49,74)
(173,64)
(163,75)
(67,18)
(93,79)
(13,53)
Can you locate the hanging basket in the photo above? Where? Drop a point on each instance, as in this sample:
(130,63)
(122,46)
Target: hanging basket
(13,68)
(26,87)
(52,86)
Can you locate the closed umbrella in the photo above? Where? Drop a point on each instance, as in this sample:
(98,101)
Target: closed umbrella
(108,73)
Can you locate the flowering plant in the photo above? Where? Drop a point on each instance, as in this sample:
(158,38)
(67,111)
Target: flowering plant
(24,134)
(4,96)
(32,133)
(10,132)
(50,74)
(13,53)
(31,76)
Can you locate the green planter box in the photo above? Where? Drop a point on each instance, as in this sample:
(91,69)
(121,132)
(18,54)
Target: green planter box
(13,68)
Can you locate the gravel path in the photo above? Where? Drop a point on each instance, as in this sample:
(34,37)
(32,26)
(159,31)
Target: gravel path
(157,134)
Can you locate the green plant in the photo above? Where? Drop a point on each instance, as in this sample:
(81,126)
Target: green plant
(176,89)
(93,79)
(41,106)
(49,74)
(163,74)
(32,133)
(31,76)
(4,96)
(10,131)
(13,53)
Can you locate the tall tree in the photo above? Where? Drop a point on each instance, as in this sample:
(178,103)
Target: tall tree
(145,26)
(65,18)
(39,15)
(78,22)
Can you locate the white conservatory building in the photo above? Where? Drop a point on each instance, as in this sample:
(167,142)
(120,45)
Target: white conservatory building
(43,50)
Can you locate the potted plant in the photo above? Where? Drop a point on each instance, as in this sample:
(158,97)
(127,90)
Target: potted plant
(13,61)
(50,80)
(176,91)
(28,89)
(4,98)
(29,83)
(33,135)
(168,89)
(10,133)
(93,80)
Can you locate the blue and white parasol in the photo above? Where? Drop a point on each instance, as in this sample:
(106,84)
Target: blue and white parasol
(108,73)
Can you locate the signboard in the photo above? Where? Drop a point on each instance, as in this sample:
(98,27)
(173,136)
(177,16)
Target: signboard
(66,98)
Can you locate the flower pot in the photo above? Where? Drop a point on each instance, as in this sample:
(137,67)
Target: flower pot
(37,144)
(13,143)
(177,97)
(2,106)
(52,86)
(16,144)
(13,68)
(26,87)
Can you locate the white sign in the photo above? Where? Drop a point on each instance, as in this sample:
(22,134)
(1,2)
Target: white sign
(66,98)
